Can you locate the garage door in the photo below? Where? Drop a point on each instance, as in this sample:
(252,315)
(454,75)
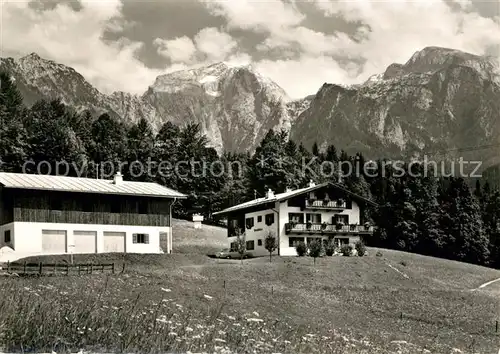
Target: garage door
(114,242)
(54,241)
(85,241)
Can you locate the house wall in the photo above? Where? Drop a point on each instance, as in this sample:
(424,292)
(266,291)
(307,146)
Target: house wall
(27,236)
(326,216)
(260,230)
(85,208)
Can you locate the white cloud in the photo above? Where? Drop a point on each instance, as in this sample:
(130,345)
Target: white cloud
(258,15)
(304,76)
(209,45)
(216,45)
(180,49)
(400,28)
(74,38)
(392,31)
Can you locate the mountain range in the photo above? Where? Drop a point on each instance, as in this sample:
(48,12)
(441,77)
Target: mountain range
(440,99)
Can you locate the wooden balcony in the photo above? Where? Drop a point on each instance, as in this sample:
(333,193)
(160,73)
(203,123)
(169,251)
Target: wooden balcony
(327,229)
(326,205)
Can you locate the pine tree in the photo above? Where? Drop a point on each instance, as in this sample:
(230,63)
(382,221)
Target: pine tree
(140,150)
(108,147)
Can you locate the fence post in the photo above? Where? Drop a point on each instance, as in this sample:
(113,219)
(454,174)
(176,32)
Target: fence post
(55,268)
(24,268)
(113,268)
(8,266)
(123,268)
(67,269)
(401,315)
(79,270)
(224,284)
(91,268)
(496,326)
(40,268)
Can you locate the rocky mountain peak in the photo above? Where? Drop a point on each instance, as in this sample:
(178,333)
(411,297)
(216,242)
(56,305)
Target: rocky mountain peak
(216,80)
(434,58)
(440,98)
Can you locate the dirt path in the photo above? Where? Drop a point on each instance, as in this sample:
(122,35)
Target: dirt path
(485,285)
(397,270)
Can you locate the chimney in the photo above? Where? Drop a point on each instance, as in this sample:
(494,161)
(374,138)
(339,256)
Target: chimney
(269,194)
(118,179)
(311,183)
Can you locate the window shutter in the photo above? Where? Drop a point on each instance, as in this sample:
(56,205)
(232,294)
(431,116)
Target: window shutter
(134,238)
(146,238)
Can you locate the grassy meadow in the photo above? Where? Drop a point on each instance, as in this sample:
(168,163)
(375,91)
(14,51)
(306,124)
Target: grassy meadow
(393,302)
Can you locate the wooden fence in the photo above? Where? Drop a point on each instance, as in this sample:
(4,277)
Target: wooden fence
(60,269)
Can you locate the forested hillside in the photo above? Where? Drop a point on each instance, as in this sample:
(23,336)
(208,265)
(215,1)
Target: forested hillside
(417,211)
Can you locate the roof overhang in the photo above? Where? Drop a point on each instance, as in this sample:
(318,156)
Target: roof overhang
(285,196)
(180,196)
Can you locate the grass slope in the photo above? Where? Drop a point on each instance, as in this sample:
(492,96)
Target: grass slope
(189,302)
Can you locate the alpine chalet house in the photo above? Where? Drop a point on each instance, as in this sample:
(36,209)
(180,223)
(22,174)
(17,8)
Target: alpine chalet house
(42,214)
(324,211)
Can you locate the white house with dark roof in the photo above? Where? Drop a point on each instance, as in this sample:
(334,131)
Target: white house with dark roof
(42,214)
(324,211)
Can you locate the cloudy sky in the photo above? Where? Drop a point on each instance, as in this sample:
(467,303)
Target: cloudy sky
(123,45)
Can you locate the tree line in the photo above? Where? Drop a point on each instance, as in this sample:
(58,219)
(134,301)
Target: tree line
(418,213)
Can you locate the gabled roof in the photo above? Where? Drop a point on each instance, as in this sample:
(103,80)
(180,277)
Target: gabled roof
(287,195)
(85,185)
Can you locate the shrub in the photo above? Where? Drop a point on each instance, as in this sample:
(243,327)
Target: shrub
(271,244)
(379,254)
(301,249)
(330,248)
(360,248)
(403,263)
(346,250)
(315,248)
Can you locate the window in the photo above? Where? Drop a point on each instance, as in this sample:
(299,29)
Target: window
(140,238)
(313,218)
(250,245)
(342,241)
(249,222)
(269,219)
(233,247)
(143,207)
(6,236)
(259,242)
(294,241)
(342,218)
(259,218)
(311,239)
(296,217)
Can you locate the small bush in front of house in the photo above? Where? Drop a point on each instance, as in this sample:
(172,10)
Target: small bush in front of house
(360,248)
(330,248)
(346,250)
(315,249)
(301,249)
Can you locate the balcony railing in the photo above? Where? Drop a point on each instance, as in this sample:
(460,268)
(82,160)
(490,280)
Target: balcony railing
(326,228)
(321,204)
